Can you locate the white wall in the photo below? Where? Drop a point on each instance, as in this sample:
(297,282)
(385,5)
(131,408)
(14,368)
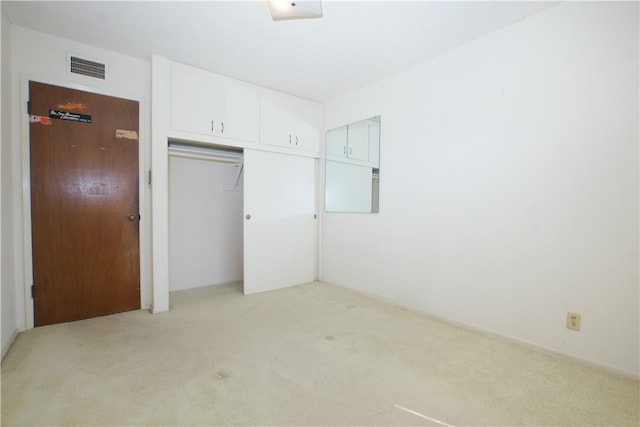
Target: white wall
(41,57)
(205,223)
(509,185)
(8,188)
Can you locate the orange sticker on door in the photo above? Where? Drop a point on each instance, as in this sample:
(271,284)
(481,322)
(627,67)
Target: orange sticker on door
(69,106)
(33,118)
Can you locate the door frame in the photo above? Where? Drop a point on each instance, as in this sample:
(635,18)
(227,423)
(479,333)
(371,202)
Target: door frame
(144,193)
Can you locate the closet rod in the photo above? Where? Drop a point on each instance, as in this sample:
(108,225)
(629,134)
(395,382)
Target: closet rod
(188,153)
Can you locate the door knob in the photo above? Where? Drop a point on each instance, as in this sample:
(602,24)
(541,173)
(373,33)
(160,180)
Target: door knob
(132,217)
(248,216)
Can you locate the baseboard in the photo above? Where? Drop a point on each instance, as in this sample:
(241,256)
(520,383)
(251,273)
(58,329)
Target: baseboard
(12,338)
(508,338)
(541,348)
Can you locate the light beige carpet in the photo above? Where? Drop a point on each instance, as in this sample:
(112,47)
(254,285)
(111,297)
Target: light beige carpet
(314,354)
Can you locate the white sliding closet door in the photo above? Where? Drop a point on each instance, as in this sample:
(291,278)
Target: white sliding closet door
(279,236)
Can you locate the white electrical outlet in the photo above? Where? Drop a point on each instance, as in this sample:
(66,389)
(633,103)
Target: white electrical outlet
(573,321)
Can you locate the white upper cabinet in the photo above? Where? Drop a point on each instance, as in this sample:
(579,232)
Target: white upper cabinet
(211,105)
(356,143)
(337,142)
(286,121)
(208,107)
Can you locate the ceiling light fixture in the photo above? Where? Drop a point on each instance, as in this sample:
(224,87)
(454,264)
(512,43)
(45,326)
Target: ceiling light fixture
(301,9)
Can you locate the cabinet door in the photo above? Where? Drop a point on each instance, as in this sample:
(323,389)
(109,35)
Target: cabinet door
(208,104)
(275,121)
(279,236)
(239,113)
(290,122)
(358,141)
(336,144)
(193,102)
(306,125)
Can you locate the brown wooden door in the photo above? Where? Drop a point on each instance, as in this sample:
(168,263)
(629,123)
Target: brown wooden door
(84,204)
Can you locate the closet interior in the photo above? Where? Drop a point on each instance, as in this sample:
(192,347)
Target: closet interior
(205,215)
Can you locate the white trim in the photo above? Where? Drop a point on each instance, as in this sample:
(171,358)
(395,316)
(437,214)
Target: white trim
(10,342)
(26,202)
(160,167)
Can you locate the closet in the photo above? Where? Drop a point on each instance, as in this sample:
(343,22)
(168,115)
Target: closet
(211,238)
(205,216)
(232,199)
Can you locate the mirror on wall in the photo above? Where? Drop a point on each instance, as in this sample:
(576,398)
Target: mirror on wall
(353,167)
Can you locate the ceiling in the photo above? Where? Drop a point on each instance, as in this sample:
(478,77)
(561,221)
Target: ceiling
(355,43)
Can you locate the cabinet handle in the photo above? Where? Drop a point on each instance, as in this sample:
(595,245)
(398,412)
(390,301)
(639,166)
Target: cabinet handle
(296,140)
(350,150)
(344,150)
(289,138)
(211,125)
(221,127)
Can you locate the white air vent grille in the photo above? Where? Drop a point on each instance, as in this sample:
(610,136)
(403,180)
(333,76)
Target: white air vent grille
(87,68)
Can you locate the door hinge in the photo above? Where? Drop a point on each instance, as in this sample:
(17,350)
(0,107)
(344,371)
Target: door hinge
(149,178)
(32,291)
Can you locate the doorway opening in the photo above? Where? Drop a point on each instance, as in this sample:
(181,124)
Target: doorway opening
(206,192)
